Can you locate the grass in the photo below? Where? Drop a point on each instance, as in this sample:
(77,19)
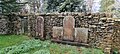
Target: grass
(9,40)
(22,44)
(91,51)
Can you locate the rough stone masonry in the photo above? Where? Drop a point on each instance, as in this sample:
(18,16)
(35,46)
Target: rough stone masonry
(98,25)
(96,28)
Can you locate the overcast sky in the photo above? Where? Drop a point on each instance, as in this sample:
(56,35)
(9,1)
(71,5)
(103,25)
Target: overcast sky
(96,6)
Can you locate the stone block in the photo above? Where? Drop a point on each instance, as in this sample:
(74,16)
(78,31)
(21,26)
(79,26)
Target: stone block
(57,32)
(81,35)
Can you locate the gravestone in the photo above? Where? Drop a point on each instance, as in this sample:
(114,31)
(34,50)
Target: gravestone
(81,35)
(40,27)
(68,28)
(57,32)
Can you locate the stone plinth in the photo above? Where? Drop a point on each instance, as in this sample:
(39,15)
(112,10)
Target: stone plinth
(81,35)
(57,32)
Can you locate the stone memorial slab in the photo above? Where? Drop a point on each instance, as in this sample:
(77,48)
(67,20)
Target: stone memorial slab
(40,27)
(81,35)
(57,32)
(68,28)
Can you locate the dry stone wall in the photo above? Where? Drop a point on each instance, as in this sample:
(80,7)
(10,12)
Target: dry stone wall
(10,24)
(97,28)
(116,36)
(14,24)
(99,24)
(3,25)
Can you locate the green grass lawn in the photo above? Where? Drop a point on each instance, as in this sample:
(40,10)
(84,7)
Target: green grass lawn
(20,44)
(9,40)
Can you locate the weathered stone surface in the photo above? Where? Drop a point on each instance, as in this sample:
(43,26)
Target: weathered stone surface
(57,32)
(98,25)
(40,26)
(107,50)
(81,35)
(68,28)
(3,26)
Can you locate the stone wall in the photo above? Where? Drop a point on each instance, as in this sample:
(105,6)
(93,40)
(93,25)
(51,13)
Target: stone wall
(116,36)
(3,25)
(99,24)
(10,24)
